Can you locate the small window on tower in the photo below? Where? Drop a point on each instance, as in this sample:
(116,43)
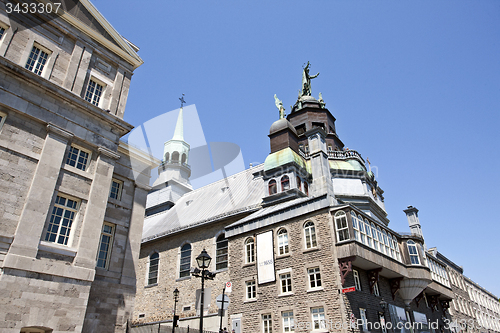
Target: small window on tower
(301,129)
(319,125)
(285,183)
(272,187)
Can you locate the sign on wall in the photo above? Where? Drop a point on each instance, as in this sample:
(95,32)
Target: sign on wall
(265,257)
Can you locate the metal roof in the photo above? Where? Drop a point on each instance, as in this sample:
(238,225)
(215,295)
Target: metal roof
(242,192)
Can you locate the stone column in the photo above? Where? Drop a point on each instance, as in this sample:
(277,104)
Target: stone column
(96,209)
(37,206)
(134,234)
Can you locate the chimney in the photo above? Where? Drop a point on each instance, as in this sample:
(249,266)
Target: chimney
(412,215)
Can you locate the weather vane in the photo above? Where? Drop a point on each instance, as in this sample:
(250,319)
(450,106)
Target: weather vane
(182,100)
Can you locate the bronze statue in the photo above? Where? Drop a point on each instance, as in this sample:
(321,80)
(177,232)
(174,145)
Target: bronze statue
(306,80)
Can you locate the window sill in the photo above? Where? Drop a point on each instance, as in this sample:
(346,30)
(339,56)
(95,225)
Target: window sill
(84,174)
(183,278)
(283,255)
(253,300)
(221,270)
(248,264)
(151,285)
(286,294)
(57,249)
(314,290)
(317,248)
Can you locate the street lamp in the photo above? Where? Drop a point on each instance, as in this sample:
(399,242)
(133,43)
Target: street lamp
(176,296)
(383,305)
(203,261)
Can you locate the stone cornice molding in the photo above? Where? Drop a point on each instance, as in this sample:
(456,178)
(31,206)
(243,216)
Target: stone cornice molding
(108,152)
(51,128)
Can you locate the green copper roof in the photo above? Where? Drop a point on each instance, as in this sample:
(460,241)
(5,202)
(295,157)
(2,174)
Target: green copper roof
(350,164)
(283,157)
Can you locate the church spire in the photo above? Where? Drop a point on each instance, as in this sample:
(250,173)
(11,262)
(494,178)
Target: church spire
(179,127)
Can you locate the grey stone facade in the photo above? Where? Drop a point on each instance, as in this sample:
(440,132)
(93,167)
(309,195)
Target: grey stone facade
(60,155)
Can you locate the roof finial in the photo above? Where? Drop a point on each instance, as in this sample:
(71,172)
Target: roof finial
(182,100)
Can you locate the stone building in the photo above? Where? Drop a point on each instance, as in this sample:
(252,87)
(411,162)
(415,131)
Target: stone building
(303,238)
(72,195)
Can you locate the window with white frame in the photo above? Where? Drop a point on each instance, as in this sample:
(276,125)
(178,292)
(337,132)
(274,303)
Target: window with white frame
(154,261)
(375,237)
(341,226)
(376,291)
(283,241)
(61,220)
(78,158)
(185,262)
(386,242)
(250,251)
(362,315)
(2,31)
(357,281)
(251,290)
(396,247)
(391,245)
(381,240)
(267,323)
(310,235)
(355,225)
(368,229)
(318,318)
(115,191)
(105,245)
(314,277)
(412,250)
(362,229)
(94,91)
(37,59)
(3,116)
(288,321)
(286,283)
(221,252)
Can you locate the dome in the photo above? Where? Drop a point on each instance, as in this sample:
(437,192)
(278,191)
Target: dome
(281,124)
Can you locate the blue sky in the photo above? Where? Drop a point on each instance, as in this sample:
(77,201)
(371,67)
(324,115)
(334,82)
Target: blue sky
(414,86)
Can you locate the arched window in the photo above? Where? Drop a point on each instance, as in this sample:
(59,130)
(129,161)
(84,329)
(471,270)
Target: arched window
(250,251)
(330,148)
(175,156)
(386,242)
(412,249)
(185,263)
(381,240)
(391,244)
(272,187)
(184,158)
(375,237)
(355,225)
(285,183)
(154,261)
(396,247)
(368,230)
(167,157)
(221,253)
(341,225)
(306,188)
(362,231)
(282,241)
(299,184)
(310,235)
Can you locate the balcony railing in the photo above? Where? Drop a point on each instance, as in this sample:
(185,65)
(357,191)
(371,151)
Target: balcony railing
(164,164)
(345,154)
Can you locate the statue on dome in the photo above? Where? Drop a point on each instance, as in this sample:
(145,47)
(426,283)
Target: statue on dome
(306,80)
(279,105)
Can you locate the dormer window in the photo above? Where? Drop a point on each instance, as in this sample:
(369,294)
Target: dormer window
(285,183)
(272,187)
(412,250)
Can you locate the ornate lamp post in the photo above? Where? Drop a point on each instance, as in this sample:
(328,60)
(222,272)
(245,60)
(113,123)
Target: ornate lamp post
(203,261)
(176,296)
(383,305)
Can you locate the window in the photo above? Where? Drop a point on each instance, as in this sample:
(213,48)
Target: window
(154,260)
(221,254)
(314,277)
(2,30)
(362,229)
(94,92)
(299,183)
(3,116)
(310,235)
(307,149)
(283,241)
(272,187)
(318,318)
(250,251)
(357,281)
(105,244)
(185,263)
(267,323)
(116,189)
(368,230)
(412,249)
(285,183)
(341,225)
(330,147)
(251,290)
(376,291)
(386,242)
(37,60)
(78,158)
(288,322)
(62,217)
(381,240)
(355,225)
(286,283)
(362,315)
(375,237)
(306,188)
(396,247)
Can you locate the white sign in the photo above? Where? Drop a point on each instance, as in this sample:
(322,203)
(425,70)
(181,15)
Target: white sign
(265,257)
(229,287)
(220,305)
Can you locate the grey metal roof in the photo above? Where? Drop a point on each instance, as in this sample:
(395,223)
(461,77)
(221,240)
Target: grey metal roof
(232,195)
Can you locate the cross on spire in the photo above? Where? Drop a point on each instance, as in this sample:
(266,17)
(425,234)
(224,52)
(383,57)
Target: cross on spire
(182,100)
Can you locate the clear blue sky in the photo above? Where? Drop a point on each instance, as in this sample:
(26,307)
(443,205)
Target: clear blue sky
(414,85)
